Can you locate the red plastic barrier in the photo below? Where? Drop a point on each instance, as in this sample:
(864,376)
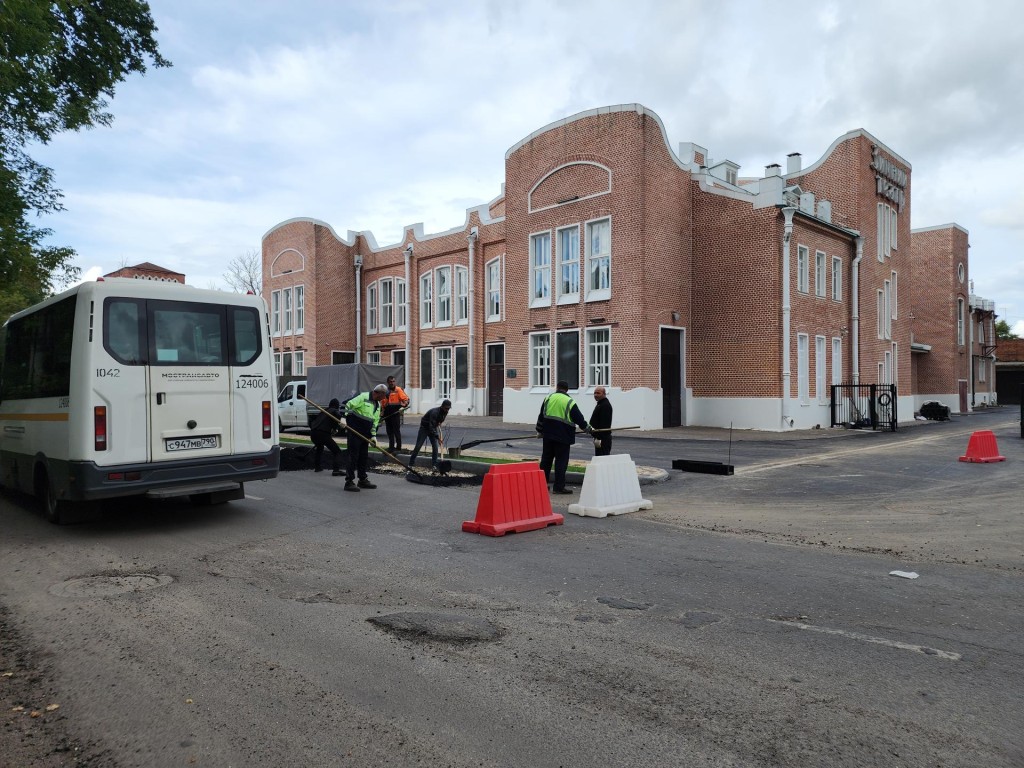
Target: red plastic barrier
(514,498)
(982,448)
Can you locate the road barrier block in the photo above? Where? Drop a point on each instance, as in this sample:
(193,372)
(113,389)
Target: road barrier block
(610,487)
(514,498)
(981,448)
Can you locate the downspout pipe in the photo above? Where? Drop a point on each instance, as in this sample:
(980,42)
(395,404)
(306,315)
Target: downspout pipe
(970,351)
(787,235)
(855,309)
(407,253)
(474,234)
(357,262)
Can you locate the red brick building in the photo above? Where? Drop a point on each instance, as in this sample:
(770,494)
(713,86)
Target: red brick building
(147,271)
(695,295)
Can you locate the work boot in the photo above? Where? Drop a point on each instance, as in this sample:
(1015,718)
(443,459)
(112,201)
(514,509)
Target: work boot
(319,469)
(365,483)
(350,486)
(561,490)
(338,472)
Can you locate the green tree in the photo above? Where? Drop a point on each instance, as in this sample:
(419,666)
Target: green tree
(59,63)
(1003,330)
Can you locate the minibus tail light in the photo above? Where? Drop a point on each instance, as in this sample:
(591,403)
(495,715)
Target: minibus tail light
(267,423)
(100,427)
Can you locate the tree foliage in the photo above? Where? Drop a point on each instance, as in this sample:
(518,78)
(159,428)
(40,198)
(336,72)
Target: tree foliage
(59,63)
(245,272)
(1003,330)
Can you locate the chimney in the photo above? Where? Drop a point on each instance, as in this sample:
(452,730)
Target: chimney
(792,163)
(772,170)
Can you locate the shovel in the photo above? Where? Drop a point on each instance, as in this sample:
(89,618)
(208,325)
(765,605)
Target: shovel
(412,472)
(444,466)
(473,443)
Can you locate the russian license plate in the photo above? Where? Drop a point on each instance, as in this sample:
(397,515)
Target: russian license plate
(190,443)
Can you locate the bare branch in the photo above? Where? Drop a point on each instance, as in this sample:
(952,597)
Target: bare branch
(245,272)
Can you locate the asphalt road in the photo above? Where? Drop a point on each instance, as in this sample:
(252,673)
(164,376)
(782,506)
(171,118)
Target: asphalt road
(744,621)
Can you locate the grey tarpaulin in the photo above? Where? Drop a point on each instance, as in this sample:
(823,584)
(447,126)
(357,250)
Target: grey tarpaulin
(324,382)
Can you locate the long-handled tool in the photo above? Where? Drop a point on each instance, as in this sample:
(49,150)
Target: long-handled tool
(474,443)
(444,466)
(365,439)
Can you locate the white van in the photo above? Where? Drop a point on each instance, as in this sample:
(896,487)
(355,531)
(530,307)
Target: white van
(291,408)
(135,387)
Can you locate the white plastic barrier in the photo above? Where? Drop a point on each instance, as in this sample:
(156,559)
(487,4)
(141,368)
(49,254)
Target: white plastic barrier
(610,487)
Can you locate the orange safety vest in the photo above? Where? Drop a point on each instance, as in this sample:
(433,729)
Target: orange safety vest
(396,397)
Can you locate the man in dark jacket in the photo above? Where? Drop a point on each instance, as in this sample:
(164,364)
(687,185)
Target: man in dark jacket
(362,414)
(430,428)
(322,431)
(600,420)
(557,422)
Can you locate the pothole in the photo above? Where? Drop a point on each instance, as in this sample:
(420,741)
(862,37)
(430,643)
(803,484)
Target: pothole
(438,627)
(623,604)
(108,584)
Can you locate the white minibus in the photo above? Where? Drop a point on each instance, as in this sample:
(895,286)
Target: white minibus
(125,387)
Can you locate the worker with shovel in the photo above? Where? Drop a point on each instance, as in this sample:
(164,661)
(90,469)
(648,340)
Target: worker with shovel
(322,432)
(430,428)
(362,416)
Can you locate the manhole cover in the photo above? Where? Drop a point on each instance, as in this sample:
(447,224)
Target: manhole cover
(105,585)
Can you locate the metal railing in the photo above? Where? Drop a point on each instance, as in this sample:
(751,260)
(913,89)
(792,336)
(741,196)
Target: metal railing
(864,406)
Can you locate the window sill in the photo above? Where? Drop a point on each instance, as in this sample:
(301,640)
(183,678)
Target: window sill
(569,298)
(539,303)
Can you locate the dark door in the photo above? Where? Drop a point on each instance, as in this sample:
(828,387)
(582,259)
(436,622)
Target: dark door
(671,377)
(495,379)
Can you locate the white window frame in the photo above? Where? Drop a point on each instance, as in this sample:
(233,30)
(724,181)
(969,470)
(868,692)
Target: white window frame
(401,302)
(568,260)
(837,360)
(275,314)
(540,269)
(387,305)
(598,356)
(443,284)
(960,322)
(887,309)
(982,364)
(427,300)
(820,360)
(299,363)
(885,231)
(461,296)
(819,273)
(894,228)
(373,358)
(277,363)
(880,325)
(444,372)
(598,293)
(540,360)
(494,290)
(803,278)
(892,304)
(887,368)
(802,368)
(371,308)
(895,375)
(837,278)
(300,309)
(286,310)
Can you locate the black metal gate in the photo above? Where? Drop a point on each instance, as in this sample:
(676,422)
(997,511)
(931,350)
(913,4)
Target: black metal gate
(864,406)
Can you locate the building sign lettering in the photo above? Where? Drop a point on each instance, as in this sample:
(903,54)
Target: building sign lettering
(890,179)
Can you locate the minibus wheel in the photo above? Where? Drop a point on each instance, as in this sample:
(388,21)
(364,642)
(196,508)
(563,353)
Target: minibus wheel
(52,508)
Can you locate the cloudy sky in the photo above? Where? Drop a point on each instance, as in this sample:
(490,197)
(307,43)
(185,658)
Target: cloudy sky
(376,115)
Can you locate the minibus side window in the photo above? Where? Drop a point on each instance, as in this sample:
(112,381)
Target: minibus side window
(245,335)
(122,330)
